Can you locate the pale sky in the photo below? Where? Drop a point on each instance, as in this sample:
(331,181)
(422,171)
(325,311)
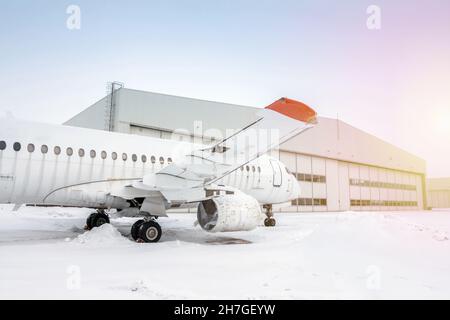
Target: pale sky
(393,82)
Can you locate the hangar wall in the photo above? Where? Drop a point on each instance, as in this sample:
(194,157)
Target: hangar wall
(92,118)
(339,167)
(335,185)
(147,113)
(439,193)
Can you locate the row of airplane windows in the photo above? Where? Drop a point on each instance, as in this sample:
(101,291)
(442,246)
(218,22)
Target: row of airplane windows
(81,153)
(382,203)
(385,185)
(311,178)
(251,168)
(309,202)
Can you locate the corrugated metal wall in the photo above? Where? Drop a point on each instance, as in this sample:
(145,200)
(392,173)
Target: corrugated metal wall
(439,198)
(332,185)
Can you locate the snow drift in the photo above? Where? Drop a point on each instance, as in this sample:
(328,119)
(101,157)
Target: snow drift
(106,234)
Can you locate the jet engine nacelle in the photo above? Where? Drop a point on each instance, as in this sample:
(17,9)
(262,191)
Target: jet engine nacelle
(236,212)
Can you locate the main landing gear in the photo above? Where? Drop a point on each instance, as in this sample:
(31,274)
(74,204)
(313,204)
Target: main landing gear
(96,219)
(144,230)
(270,220)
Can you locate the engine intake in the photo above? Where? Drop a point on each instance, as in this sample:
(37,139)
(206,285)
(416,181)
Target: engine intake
(237,212)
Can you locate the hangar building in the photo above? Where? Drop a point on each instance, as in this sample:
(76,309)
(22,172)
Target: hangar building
(339,167)
(439,193)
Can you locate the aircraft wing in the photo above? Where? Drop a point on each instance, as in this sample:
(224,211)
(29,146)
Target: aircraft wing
(275,124)
(199,170)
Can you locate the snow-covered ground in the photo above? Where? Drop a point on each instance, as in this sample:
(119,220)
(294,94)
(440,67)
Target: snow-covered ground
(45,253)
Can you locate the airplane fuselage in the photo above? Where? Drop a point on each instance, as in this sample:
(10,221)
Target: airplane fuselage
(69,166)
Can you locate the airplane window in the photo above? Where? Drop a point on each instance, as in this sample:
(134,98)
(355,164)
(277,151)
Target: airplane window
(93,154)
(114,156)
(144,158)
(57,150)
(2,145)
(253,168)
(69,151)
(17,146)
(161,160)
(44,149)
(124,156)
(134,158)
(169,160)
(30,148)
(259,169)
(247,168)
(81,153)
(104,155)
(153,159)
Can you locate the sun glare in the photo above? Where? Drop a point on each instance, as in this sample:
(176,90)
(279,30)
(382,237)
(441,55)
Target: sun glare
(443,121)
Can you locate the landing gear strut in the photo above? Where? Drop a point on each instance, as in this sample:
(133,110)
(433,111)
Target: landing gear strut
(96,219)
(270,220)
(146,230)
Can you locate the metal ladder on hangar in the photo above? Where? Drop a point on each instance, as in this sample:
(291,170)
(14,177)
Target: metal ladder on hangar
(110,105)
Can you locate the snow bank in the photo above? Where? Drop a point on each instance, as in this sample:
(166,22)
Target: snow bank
(353,255)
(106,234)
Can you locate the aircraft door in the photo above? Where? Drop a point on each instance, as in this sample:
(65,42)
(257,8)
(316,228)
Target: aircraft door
(277,174)
(7,177)
(6,185)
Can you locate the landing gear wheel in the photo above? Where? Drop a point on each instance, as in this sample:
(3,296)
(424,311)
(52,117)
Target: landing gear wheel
(135,229)
(96,220)
(270,222)
(150,231)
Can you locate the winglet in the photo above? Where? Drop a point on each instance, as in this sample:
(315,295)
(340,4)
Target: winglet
(294,109)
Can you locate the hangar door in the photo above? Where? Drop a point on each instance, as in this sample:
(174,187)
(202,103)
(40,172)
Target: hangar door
(343,186)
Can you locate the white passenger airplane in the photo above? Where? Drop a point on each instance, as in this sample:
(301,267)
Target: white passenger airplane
(55,165)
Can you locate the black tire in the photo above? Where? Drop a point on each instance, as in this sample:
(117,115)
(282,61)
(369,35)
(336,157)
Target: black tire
(96,220)
(89,222)
(270,222)
(135,229)
(150,231)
